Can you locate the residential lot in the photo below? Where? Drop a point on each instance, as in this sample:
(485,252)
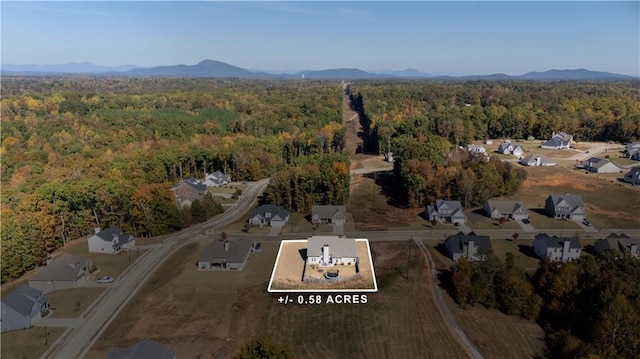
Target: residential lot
(71,303)
(28,343)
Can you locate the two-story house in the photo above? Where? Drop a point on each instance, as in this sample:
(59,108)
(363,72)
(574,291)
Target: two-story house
(556,249)
(469,246)
(510,148)
(188,191)
(497,209)
(216,179)
(619,243)
(446,211)
(565,206)
(21,308)
(558,141)
(110,241)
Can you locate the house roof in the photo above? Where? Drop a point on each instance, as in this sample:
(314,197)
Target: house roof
(273,210)
(108,235)
(338,246)
(563,136)
(461,240)
(22,299)
(616,242)
(329,211)
(64,268)
(572,199)
(557,242)
(506,207)
(143,350)
(236,252)
(193,184)
(555,142)
(598,162)
(532,158)
(505,145)
(441,204)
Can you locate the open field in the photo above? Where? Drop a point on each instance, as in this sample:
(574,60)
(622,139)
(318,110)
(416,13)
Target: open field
(494,334)
(70,303)
(289,267)
(111,265)
(28,343)
(212,314)
(607,205)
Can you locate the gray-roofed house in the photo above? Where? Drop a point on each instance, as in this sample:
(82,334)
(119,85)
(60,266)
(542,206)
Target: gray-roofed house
(632,151)
(188,191)
(469,246)
(328,214)
(216,179)
(510,148)
(268,215)
(620,243)
(331,250)
(446,211)
(111,240)
(497,209)
(600,165)
(633,176)
(558,141)
(226,255)
(537,159)
(556,249)
(21,308)
(64,272)
(146,349)
(565,206)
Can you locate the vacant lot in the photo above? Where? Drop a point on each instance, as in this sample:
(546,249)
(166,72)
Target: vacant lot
(70,303)
(28,343)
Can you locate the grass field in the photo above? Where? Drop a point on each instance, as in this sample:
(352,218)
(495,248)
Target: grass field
(28,343)
(70,303)
(212,314)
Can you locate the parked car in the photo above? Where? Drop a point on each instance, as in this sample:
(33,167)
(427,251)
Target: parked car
(586,223)
(105,280)
(525,221)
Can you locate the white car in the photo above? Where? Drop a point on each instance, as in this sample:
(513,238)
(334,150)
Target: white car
(105,280)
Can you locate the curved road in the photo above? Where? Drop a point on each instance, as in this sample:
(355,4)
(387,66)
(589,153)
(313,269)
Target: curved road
(75,342)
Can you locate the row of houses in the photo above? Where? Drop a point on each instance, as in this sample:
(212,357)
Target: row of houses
(272,215)
(563,206)
(191,189)
(556,249)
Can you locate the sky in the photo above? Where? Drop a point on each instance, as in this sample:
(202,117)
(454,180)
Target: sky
(446,38)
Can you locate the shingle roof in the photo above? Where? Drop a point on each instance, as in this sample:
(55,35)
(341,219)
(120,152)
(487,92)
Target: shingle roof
(461,240)
(146,349)
(22,299)
(235,253)
(555,142)
(558,242)
(108,234)
(329,211)
(66,268)
(574,200)
(339,247)
(193,183)
(532,158)
(269,208)
(505,207)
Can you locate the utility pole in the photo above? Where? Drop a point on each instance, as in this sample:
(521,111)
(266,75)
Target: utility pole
(409,257)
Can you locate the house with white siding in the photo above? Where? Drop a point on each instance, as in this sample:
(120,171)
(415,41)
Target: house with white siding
(497,209)
(110,241)
(565,206)
(556,249)
(328,251)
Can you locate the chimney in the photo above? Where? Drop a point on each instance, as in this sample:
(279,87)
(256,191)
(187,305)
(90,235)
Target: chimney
(565,250)
(471,249)
(634,250)
(97,230)
(325,254)
(226,245)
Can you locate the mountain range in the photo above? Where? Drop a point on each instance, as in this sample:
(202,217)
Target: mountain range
(212,68)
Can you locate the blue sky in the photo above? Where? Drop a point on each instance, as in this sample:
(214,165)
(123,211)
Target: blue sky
(455,38)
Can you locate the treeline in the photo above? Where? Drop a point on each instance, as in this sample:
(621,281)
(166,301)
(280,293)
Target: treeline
(77,150)
(589,307)
(423,124)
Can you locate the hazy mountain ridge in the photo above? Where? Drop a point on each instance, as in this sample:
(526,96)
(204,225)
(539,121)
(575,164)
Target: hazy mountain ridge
(213,68)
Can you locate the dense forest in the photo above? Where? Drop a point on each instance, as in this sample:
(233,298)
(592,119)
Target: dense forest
(589,308)
(424,123)
(80,150)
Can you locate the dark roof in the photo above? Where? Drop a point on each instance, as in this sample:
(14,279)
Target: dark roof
(193,183)
(146,349)
(532,158)
(65,268)
(505,206)
(329,211)
(236,252)
(461,240)
(558,242)
(22,299)
(108,234)
(573,199)
(269,208)
(555,142)
(339,247)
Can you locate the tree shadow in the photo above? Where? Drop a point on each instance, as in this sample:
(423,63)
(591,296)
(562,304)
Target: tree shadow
(527,251)
(591,249)
(540,211)
(389,188)
(303,254)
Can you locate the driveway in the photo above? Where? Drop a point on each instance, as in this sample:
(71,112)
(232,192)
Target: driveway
(275,231)
(588,229)
(526,227)
(338,229)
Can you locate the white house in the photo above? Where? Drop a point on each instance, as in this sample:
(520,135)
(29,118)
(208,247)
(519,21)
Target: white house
(510,148)
(216,179)
(110,241)
(599,165)
(558,141)
(446,211)
(497,209)
(328,251)
(476,148)
(268,215)
(537,159)
(557,249)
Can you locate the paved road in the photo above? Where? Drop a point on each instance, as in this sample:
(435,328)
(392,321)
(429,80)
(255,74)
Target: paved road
(74,343)
(594,151)
(371,170)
